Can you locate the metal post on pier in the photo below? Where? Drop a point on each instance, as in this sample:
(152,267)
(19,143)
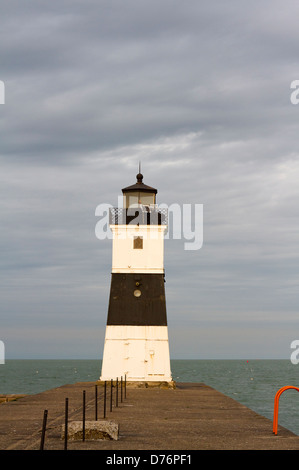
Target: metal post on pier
(105,395)
(66,423)
(117,392)
(83,424)
(96,402)
(42,442)
(111,387)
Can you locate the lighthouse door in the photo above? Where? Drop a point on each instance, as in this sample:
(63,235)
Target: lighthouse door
(154,359)
(135,364)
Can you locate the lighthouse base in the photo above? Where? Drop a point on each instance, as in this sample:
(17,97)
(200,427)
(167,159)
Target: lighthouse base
(139,353)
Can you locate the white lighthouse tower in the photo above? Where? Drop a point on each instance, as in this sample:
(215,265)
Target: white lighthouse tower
(136,340)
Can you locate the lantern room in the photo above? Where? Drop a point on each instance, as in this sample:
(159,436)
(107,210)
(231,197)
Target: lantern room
(139,194)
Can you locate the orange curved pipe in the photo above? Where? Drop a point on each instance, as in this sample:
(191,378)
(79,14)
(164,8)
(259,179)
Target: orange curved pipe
(276,405)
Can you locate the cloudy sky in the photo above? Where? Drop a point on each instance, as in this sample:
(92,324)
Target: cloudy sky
(199,93)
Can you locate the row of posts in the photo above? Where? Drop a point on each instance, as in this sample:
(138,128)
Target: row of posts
(123,394)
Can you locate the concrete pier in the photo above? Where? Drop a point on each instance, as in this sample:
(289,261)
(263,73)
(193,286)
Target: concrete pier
(191,416)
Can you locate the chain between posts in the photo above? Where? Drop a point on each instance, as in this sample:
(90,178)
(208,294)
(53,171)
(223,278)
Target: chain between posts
(123,393)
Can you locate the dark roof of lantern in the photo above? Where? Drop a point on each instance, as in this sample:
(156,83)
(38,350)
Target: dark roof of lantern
(140,186)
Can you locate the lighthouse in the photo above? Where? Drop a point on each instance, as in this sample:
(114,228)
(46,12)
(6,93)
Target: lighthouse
(136,340)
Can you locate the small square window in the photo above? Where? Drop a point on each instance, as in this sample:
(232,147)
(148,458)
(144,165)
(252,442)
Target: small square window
(138,243)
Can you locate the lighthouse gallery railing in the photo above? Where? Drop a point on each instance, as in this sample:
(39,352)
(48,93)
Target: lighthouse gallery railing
(141,215)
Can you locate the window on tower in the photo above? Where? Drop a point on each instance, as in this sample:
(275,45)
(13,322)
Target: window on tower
(137,198)
(138,243)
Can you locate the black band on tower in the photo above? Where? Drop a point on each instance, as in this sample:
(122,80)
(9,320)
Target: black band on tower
(137,299)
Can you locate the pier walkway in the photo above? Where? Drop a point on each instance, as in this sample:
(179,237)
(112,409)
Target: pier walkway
(191,416)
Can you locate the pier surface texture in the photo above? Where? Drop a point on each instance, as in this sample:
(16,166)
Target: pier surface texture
(191,416)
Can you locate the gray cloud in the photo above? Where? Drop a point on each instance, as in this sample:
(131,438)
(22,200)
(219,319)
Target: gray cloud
(200,94)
